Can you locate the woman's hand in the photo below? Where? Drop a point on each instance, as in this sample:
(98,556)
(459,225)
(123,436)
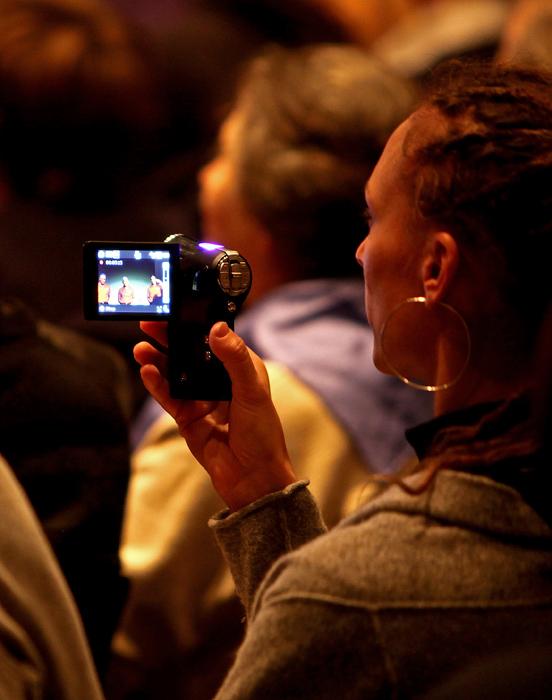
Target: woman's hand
(240,443)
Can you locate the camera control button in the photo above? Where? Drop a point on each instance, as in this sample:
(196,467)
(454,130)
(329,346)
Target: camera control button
(224,276)
(234,276)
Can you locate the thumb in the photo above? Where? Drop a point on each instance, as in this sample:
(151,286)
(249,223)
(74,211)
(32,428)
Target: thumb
(246,370)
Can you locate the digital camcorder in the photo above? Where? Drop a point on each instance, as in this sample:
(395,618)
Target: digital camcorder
(189,284)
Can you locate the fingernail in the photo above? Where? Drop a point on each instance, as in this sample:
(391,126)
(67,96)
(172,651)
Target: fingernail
(221,329)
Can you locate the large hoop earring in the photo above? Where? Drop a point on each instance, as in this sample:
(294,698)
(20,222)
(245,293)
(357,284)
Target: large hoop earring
(427,346)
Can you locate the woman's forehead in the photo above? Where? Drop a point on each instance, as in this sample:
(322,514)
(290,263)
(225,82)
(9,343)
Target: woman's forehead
(390,164)
(391,168)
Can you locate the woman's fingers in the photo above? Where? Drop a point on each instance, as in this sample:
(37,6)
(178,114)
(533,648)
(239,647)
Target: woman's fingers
(146,354)
(153,366)
(250,386)
(247,375)
(249,379)
(158,387)
(156,330)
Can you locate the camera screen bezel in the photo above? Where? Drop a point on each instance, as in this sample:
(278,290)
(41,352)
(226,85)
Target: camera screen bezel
(91,273)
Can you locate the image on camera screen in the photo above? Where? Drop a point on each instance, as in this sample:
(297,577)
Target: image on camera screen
(133,281)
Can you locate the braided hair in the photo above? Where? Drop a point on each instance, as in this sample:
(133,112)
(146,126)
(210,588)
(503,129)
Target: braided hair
(487,175)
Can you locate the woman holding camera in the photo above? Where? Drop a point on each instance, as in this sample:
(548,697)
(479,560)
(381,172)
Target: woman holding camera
(453,562)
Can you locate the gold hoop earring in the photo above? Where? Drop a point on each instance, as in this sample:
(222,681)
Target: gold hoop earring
(427,346)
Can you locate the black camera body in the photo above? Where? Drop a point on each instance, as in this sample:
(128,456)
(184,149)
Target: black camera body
(189,284)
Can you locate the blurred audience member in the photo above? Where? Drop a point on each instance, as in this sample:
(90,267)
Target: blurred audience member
(437,31)
(43,651)
(81,114)
(286,190)
(64,401)
(78,100)
(363,21)
(202,47)
(527,36)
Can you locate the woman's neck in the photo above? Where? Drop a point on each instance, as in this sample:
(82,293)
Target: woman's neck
(476,387)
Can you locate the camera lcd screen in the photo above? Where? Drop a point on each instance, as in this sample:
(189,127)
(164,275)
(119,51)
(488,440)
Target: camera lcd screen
(128,280)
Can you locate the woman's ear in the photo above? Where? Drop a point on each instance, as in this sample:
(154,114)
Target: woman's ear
(439,265)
